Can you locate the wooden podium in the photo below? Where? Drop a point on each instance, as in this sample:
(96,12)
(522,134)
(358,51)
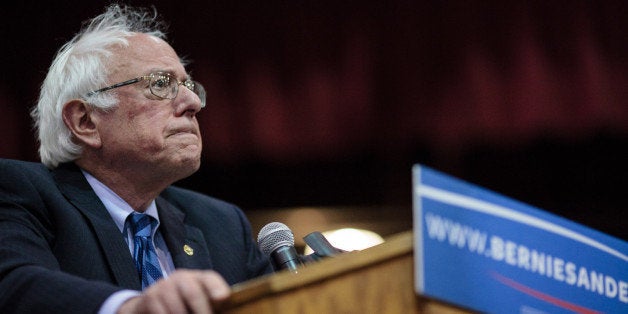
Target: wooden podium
(376,280)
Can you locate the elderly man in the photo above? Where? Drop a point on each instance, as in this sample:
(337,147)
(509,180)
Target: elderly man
(97,227)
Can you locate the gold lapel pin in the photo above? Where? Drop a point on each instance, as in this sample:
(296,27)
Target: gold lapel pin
(188,250)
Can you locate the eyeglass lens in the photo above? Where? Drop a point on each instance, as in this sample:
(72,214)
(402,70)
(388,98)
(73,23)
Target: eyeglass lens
(164,85)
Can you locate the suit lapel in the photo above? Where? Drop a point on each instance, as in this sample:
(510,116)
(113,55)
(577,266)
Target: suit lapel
(77,190)
(186,243)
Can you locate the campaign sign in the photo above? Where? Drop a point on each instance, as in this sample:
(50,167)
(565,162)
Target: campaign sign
(490,253)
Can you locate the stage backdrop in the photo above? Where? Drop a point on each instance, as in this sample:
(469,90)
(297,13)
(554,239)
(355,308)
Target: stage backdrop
(528,98)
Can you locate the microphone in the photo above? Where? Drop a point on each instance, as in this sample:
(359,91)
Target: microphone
(277,241)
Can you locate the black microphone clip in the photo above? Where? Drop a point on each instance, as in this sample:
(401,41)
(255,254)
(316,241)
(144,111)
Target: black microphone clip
(321,247)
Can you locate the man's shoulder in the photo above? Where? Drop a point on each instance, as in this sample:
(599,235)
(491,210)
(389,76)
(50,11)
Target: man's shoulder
(5,162)
(21,167)
(181,195)
(199,207)
(22,178)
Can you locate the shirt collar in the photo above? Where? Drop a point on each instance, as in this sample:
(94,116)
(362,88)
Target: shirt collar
(118,208)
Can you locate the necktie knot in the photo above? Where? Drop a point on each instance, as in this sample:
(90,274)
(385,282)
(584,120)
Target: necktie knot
(142,225)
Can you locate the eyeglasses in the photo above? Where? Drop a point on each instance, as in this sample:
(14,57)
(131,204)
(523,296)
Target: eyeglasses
(161,84)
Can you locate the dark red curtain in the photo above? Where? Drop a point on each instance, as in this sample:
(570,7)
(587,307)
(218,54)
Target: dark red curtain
(331,102)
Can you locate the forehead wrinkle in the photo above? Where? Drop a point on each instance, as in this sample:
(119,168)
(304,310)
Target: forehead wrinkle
(144,50)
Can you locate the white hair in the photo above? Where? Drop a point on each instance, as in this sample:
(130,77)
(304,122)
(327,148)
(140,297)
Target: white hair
(80,67)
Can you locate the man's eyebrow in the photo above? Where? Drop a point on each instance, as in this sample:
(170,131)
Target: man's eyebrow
(188,75)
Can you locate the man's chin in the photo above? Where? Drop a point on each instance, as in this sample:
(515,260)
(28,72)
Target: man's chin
(189,166)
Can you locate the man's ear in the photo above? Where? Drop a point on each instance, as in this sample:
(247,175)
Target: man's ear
(79,117)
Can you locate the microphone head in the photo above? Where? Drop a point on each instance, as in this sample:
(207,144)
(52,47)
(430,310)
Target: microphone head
(273,236)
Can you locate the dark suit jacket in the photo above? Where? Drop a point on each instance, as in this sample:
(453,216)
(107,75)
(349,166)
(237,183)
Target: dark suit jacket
(61,252)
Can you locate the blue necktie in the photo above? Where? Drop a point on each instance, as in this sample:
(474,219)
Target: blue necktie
(144,252)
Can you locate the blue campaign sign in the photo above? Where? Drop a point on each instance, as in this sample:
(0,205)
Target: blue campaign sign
(490,253)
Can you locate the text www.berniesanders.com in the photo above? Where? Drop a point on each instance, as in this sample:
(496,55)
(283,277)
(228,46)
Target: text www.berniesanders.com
(517,255)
